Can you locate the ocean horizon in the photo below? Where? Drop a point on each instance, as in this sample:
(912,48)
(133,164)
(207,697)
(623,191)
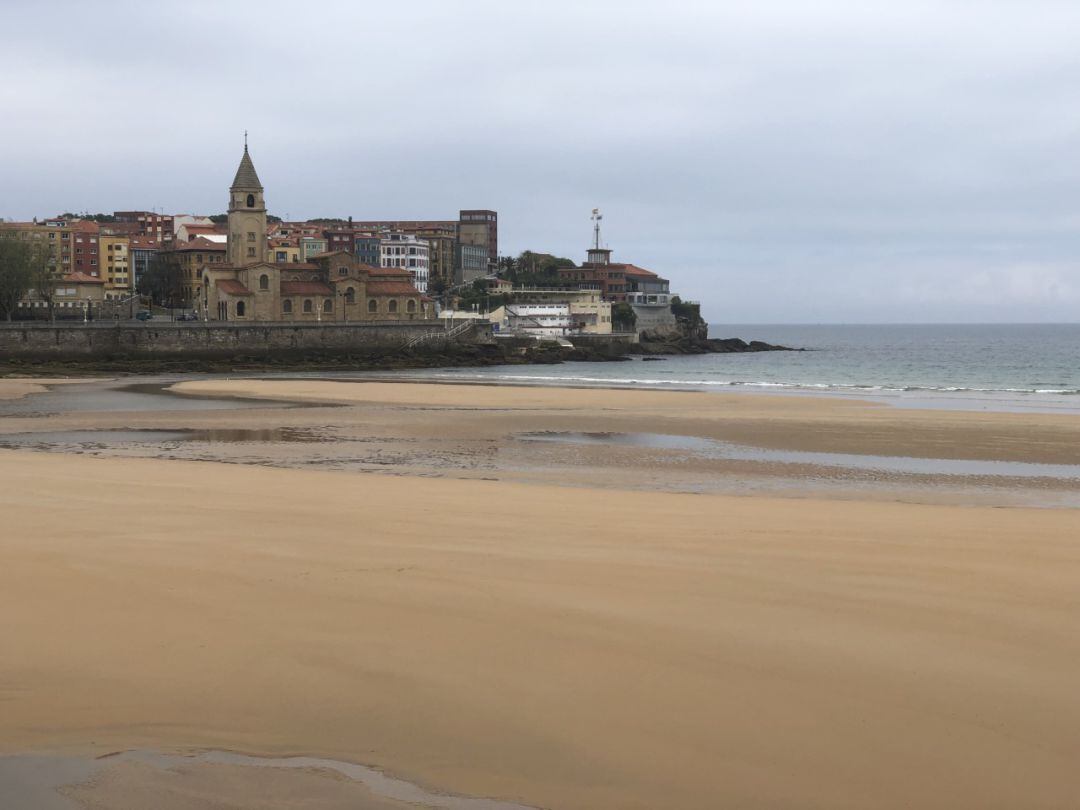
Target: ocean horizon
(1023,367)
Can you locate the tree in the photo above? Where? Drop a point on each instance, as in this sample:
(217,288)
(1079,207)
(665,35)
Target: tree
(437,286)
(161,281)
(17,261)
(43,278)
(623,317)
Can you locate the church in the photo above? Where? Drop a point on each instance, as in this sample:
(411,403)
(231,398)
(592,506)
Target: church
(330,287)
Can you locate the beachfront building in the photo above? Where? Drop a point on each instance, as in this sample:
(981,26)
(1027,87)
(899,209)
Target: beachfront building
(587,312)
(650,297)
(644,291)
(536,320)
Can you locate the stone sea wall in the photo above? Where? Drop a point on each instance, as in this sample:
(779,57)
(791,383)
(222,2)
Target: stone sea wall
(221,340)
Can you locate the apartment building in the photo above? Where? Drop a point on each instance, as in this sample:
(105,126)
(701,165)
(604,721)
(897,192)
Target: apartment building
(408,252)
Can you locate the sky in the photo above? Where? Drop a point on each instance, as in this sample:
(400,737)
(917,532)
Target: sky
(782,161)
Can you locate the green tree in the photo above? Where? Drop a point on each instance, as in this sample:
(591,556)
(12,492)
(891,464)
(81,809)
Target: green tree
(161,281)
(623,317)
(18,259)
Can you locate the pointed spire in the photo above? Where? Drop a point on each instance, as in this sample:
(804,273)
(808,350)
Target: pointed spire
(246,176)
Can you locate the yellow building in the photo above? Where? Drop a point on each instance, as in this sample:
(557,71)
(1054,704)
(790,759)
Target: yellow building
(114,254)
(284,251)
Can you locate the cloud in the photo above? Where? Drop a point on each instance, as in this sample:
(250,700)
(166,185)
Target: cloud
(835,160)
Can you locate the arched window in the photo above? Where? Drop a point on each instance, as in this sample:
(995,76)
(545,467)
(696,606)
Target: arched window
(372,305)
(328,305)
(411,306)
(307,305)
(251,200)
(286,306)
(392,306)
(350,295)
(241,308)
(264,282)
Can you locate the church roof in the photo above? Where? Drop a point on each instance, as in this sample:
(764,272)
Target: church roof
(305,288)
(232,287)
(381,287)
(245,174)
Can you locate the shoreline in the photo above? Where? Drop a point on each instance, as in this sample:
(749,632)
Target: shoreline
(966,400)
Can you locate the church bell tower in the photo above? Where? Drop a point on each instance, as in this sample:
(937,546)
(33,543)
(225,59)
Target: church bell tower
(247,215)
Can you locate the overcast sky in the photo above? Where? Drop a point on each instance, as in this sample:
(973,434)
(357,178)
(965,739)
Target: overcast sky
(781,161)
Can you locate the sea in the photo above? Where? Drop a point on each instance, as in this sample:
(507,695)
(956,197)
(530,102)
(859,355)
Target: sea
(1010,367)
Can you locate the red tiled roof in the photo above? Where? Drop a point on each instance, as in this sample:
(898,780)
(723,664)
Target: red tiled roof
(305,288)
(378,287)
(390,273)
(205,228)
(200,243)
(82,278)
(634,270)
(84,225)
(232,287)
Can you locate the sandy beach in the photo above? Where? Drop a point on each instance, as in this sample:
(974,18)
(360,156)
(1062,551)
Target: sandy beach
(564,636)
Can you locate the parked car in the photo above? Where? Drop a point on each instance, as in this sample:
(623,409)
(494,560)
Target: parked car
(145,315)
(187,316)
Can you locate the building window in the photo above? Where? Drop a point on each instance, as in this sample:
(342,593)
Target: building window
(392,306)
(251,253)
(286,306)
(350,296)
(372,305)
(251,201)
(411,306)
(241,308)
(251,236)
(307,305)
(328,305)
(264,282)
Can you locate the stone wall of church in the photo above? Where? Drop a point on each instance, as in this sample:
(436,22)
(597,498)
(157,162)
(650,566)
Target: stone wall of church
(222,340)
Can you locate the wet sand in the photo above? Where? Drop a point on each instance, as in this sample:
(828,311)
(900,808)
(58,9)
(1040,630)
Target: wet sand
(554,646)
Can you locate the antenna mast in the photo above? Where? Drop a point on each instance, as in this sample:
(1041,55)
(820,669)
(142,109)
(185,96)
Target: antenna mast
(596,217)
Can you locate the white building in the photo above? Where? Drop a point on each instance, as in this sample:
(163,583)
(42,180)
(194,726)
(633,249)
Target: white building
(540,320)
(409,252)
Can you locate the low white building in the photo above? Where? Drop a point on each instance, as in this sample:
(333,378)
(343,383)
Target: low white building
(538,320)
(408,252)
